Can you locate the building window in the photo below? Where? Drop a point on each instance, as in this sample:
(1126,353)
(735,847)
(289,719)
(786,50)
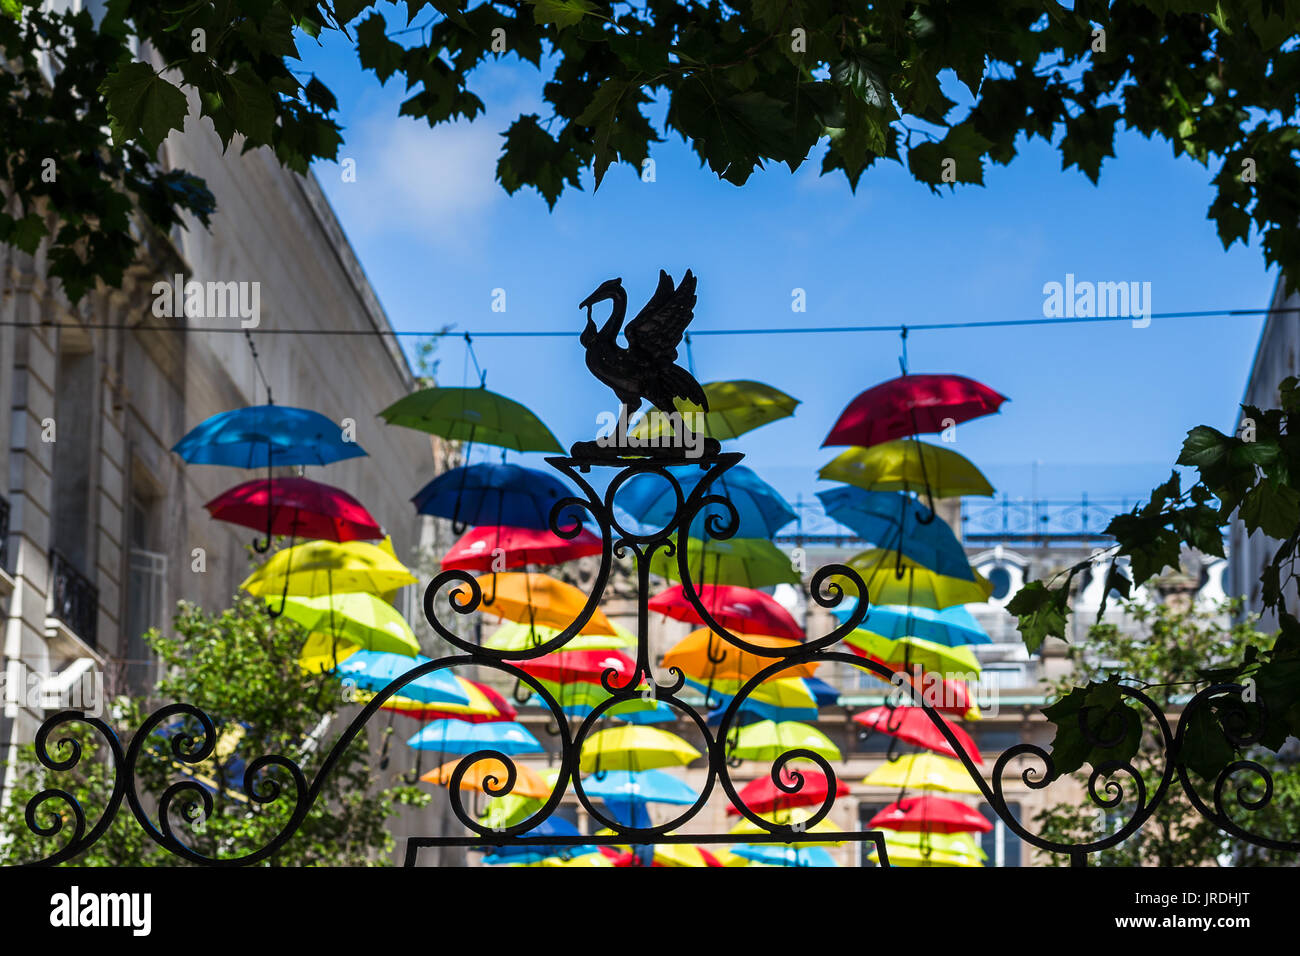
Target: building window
(1000,578)
(1001,844)
(865,812)
(145,608)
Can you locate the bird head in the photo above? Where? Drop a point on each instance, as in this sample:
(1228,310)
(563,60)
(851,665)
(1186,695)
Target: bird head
(610,289)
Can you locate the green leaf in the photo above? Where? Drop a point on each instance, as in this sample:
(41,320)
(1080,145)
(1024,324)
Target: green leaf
(601,114)
(1271,507)
(863,77)
(1113,729)
(1205,749)
(563,13)
(12,9)
(25,233)
(142,105)
(1042,613)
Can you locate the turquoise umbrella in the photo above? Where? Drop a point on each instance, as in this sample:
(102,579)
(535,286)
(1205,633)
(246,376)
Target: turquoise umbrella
(462,737)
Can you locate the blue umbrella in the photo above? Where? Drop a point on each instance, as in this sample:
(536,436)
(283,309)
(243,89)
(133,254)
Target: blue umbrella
(752,711)
(785,855)
(626,793)
(488,494)
(761,508)
(262,436)
(462,737)
(375,670)
(823,693)
(951,627)
(896,521)
(551,826)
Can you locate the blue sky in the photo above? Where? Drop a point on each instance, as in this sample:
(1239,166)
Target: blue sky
(1102,409)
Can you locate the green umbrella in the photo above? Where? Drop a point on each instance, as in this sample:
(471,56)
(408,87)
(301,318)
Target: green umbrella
(356,617)
(502,812)
(747,562)
(767,740)
(584,694)
(734,408)
(472,415)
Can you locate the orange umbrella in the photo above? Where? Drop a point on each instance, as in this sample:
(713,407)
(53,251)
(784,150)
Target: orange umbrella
(530,597)
(705,656)
(528,782)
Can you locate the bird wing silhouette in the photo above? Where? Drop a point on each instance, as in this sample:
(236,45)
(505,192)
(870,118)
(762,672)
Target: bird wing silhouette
(655,333)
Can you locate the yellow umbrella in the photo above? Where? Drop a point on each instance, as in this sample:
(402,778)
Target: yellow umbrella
(478,705)
(788,817)
(322,652)
(952,844)
(512,636)
(908,465)
(768,740)
(918,586)
(532,598)
(634,747)
(705,656)
(357,617)
(734,408)
(587,859)
(913,650)
(923,772)
(328,567)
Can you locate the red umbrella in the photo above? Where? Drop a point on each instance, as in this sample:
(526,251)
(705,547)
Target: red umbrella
(477,548)
(913,725)
(929,814)
(912,405)
(298,507)
(951,697)
(567,667)
(740,610)
(764,796)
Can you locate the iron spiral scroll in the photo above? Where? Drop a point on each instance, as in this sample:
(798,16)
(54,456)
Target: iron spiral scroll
(55,812)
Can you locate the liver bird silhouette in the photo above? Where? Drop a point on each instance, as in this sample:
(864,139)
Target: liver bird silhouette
(645,368)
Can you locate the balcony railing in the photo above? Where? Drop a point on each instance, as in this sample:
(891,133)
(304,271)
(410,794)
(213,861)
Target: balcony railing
(75,601)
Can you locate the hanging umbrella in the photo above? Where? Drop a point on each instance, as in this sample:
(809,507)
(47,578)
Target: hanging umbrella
(929,814)
(898,522)
(552,826)
(580,666)
(298,507)
(918,585)
(634,748)
(513,636)
(910,856)
(707,657)
(908,465)
(768,740)
(462,737)
(502,812)
(531,598)
(683,854)
(358,617)
(634,711)
(261,436)
(774,855)
(325,567)
(786,818)
(908,652)
(502,548)
(494,494)
(740,610)
(747,562)
(472,415)
(913,725)
(528,782)
(949,844)
(949,626)
(577,698)
(735,407)
(323,652)
(911,405)
(922,772)
(763,796)
(624,791)
(485,706)
(762,511)
(779,700)
(823,693)
(375,670)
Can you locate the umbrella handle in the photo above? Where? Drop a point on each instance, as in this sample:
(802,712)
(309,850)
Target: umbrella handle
(708,651)
(284,594)
(514,693)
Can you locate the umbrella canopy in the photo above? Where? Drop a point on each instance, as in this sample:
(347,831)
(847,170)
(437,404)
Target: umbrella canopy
(634,711)
(788,817)
(705,656)
(908,465)
(262,436)
(472,415)
(488,494)
(930,814)
(911,856)
(565,667)
(913,725)
(748,562)
(530,598)
(552,826)
(951,844)
(907,652)
(502,812)
(949,626)
(298,507)
(896,521)
(787,698)
(645,786)
(919,586)
(922,772)
(735,407)
(513,636)
(775,855)
(480,548)
(634,748)
(528,782)
(375,670)
(577,698)
(358,617)
(762,510)
(768,740)
(323,652)
(460,736)
(485,706)
(763,796)
(911,405)
(740,610)
(326,567)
